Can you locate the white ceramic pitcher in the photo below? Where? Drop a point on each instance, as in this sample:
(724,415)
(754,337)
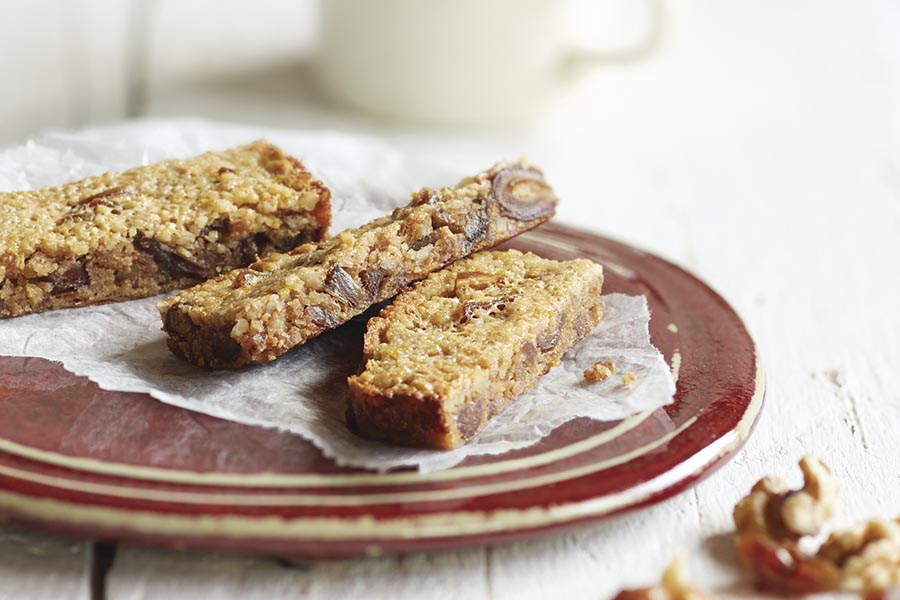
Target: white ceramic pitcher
(455,61)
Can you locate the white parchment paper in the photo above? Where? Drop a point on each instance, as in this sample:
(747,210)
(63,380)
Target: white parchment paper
(120,346)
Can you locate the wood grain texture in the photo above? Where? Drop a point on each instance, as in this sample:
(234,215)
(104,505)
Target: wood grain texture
(42,567)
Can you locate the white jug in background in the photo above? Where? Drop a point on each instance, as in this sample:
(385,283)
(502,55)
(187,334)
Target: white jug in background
(454,61)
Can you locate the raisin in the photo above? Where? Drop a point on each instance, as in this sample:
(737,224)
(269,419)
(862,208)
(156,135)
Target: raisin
(424,241)
(468,420)
(338,283)
(371,280)
(476,226)
(529,354)
(322,317)
(167,260)
(252,247)
(220,224)
(548,342)
(473,229)
(73,278)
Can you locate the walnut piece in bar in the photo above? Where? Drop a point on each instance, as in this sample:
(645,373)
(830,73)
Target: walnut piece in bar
(457,348)
(154,228)
(256,314)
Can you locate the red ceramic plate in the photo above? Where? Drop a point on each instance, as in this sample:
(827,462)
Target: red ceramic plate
(171,477)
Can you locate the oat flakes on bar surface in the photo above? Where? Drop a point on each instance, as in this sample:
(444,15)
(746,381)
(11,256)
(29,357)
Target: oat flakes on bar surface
(255,314)
(155,228)
(457,348)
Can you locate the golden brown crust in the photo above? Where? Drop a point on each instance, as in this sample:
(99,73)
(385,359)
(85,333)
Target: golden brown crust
(256,314)
(457,348)
(154,228)
(295,176)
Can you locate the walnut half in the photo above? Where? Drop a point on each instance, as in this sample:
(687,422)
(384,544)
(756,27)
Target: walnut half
(783,515)
(772,519)
(867,554)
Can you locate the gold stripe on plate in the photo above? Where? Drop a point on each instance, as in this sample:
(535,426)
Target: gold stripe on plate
(276,480)
(251,499)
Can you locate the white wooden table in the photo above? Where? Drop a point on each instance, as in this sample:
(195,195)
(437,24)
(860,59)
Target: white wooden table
(761,150)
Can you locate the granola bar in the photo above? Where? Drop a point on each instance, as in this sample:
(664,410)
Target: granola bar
(155,228)
(255,314)
(460,346)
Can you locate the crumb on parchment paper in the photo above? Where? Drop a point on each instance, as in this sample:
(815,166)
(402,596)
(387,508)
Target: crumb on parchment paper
(599,371)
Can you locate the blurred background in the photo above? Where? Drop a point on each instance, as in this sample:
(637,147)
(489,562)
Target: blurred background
(69,63)
(708,74)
